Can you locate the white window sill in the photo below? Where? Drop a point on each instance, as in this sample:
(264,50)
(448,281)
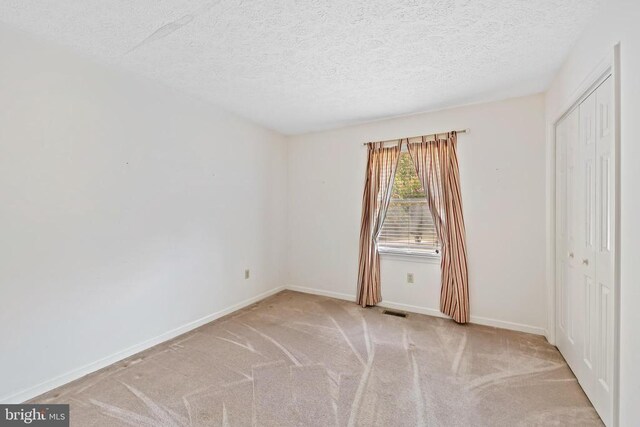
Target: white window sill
(430,258)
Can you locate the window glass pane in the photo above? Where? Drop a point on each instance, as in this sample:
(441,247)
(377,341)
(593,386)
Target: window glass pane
(408,226)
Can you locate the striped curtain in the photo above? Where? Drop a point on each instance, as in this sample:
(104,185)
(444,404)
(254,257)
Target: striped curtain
(381,169)
(437,165)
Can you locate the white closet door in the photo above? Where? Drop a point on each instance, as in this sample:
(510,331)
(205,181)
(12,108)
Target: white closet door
(602,332)
(584,245)
(586,266)
(566,235)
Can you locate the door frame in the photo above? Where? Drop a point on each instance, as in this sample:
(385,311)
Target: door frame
(608,67)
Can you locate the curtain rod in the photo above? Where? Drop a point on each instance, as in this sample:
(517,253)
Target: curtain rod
(412,137)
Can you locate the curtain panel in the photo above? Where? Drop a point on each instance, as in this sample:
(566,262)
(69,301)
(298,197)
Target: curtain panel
(381,169)
(436,162)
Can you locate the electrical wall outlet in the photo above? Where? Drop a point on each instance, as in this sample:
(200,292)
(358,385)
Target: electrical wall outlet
(247,273)
(409,278)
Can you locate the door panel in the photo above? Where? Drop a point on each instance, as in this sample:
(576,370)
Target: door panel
(604,254)
(587,267)
(566,234)
(561,228)
(589,345)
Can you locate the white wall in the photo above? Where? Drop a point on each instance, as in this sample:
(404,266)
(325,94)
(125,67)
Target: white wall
(619,22)
(126,211)
(502,167)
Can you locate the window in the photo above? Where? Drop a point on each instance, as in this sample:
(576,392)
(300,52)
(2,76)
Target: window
(408,227)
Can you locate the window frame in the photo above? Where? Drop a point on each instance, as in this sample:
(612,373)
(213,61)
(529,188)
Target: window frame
(432,257)
(409,254)
(385,250)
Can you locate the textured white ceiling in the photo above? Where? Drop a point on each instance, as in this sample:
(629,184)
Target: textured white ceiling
(298,66)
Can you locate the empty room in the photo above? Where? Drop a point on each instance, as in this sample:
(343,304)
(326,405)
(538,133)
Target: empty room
(319,213)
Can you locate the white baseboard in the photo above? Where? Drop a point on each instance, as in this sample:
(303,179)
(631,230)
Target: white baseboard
(513,326)
(80,372)
(322,292)
(503,324)
(413,309)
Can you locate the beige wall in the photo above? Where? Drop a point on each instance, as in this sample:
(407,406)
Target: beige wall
(128,212)
(502,167)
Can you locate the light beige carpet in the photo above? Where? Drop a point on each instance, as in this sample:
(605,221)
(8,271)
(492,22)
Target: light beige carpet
(303,360)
